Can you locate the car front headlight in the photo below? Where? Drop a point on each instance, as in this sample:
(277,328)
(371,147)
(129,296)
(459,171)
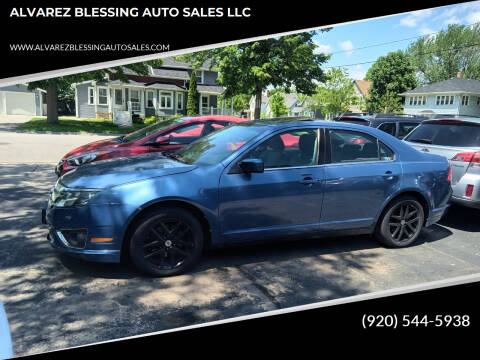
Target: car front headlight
(84,158)
(62,196)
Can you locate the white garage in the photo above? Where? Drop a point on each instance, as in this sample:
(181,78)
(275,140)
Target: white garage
(17,103)
(18,100)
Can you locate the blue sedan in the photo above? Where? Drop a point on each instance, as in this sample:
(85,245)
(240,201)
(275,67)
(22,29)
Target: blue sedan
(252,181)
(6,351)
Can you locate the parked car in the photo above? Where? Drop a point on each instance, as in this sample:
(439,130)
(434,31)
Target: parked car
(251,181)
(458,139)
(398,126)
(6,351)
(167,135)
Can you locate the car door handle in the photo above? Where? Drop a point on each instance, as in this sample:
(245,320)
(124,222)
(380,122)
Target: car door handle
(388,175)
(309,181)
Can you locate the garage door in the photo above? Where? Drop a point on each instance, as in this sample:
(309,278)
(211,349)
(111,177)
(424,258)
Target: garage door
(18,103)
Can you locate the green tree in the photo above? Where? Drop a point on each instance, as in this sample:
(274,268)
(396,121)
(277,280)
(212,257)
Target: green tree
(441,57)
(240,102)
(60,87)
(277,104)
(287,62)
(335,95)
(390,75)
(193,96)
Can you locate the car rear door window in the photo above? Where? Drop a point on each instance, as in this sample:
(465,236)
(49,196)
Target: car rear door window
(352,146)
(288,149)
(404,128)
(389,128)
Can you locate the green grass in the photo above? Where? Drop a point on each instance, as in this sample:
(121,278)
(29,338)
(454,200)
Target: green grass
(80,126)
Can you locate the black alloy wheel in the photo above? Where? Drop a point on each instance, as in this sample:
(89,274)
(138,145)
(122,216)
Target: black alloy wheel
(167,242)
(401,223)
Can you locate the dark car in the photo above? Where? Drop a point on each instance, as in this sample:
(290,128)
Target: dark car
(398,126)
(169,135)
(251,181)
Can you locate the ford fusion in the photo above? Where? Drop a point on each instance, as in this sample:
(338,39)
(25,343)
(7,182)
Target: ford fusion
(252,181)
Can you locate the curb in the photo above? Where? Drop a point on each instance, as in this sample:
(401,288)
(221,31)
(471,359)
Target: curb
(60,133)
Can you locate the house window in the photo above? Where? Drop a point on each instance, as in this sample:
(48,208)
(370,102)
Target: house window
(199,74)
(179,100)
(150,99)
(91,96)
(166,100)
(424,100)
(438,100)
(411,100)
(102,96)
(478,100)
(451,99)
(465,100)
(204,101)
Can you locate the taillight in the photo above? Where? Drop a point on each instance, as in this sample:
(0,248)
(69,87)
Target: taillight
(449,177)
(469,190)
(470,157)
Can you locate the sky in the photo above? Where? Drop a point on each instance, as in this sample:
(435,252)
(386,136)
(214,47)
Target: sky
(343,42)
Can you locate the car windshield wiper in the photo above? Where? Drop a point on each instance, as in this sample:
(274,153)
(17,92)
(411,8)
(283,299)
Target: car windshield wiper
(173,156)
(423,141)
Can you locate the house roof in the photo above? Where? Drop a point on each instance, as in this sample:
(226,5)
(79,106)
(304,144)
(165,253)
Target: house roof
(150,85)
(363,86)
(290,99)
(173,63)
(170,73)
(210,89)
(453,85)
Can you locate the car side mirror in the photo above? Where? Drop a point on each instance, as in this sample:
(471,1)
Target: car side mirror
(251,166)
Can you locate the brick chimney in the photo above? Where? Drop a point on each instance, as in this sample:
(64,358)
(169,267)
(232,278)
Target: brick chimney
(459,74)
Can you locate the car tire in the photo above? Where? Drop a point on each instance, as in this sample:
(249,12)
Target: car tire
(401,222)
(166,242)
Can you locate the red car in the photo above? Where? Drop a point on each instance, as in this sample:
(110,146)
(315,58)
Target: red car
(167,135)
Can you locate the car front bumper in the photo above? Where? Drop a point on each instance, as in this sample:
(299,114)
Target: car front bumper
(94,222)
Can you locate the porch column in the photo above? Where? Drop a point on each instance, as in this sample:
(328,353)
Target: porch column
(110,99)
(95,95)
(142,101)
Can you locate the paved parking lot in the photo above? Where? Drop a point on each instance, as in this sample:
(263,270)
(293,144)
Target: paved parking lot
(53,301)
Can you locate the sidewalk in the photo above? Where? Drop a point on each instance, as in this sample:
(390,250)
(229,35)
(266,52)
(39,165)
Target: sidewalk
(12,122)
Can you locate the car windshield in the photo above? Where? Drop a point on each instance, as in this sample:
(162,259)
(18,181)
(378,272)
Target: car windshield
(218,146)
(446,134)
(148,130)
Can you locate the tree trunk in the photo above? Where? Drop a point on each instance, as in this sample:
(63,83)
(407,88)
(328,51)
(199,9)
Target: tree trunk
(52,109)
(258,102)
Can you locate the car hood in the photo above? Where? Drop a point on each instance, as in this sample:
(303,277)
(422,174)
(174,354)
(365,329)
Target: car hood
(118,171)
(90,147)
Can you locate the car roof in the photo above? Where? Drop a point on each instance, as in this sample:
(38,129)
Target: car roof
(452,120)
(215,117)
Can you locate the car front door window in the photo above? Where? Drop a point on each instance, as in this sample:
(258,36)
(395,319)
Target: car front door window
(186,134)
(288,149)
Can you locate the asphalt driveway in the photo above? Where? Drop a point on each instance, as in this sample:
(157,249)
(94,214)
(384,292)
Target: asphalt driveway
(53,301)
